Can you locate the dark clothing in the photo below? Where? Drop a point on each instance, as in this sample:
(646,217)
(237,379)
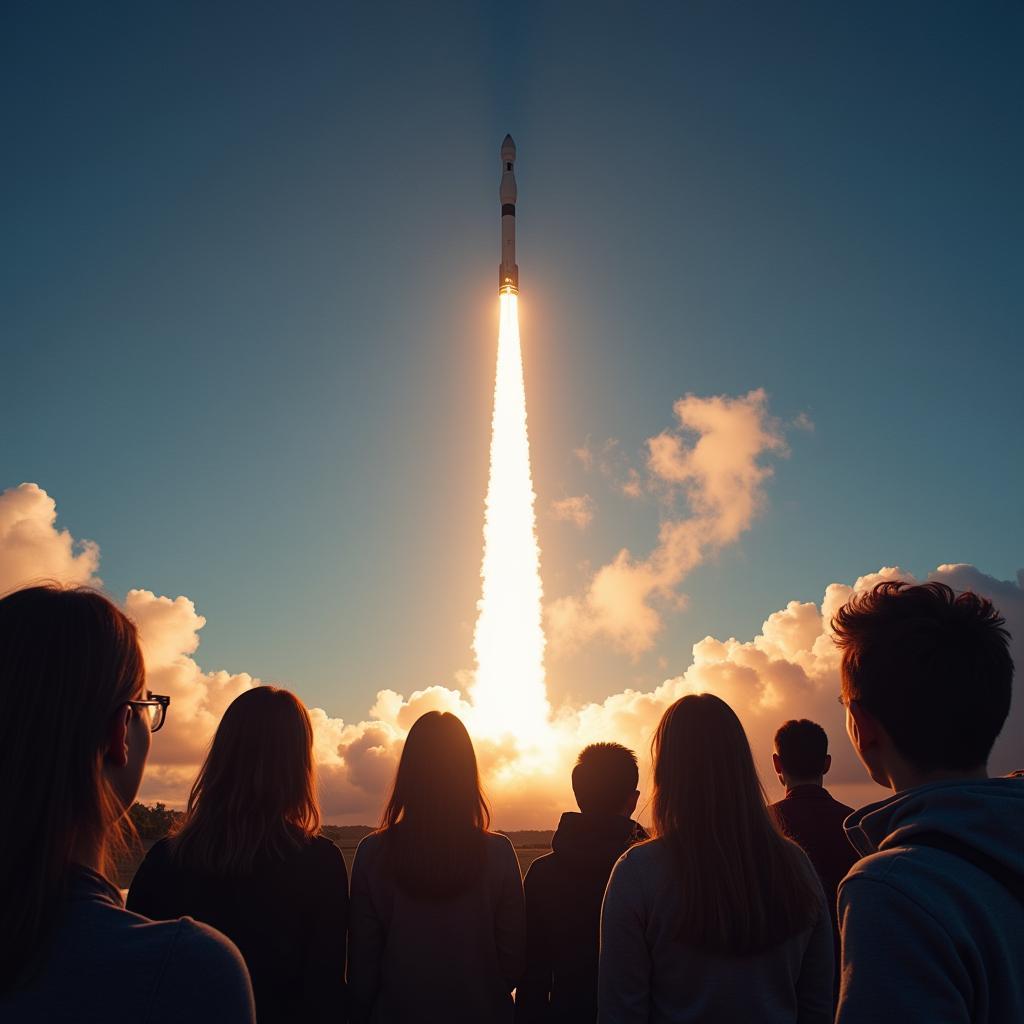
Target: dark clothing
(812,818)
(288,917)
(454,960)
(564,890)
(105,964)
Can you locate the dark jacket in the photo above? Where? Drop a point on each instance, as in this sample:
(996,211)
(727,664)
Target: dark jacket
(563,917)
(289,919)
(812,818)
(420,960)
(104,964)
(928,934)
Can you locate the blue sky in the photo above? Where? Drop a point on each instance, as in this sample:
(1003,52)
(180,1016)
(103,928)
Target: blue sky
(249,322)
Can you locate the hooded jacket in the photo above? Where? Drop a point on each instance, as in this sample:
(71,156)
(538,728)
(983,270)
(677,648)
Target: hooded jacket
(927,934)
(564,890)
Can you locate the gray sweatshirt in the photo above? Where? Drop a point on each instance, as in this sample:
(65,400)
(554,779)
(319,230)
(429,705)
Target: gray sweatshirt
(646,975)
(454,960)
(928,936)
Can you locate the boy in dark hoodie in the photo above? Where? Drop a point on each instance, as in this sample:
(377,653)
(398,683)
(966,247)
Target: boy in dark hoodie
(932,917)
(564,889)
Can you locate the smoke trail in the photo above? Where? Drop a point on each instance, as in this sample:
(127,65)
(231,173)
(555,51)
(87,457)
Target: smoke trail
(508,692)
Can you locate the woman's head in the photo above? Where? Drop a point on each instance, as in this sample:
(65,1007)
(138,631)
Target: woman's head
(437,777)
(255,794)
(743,886)
(72,749)
(701,758)
(437,814)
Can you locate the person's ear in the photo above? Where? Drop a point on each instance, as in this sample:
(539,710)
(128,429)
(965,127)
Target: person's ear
(828,764)
(117,738)
(862,726)
(631,803)
(777,765)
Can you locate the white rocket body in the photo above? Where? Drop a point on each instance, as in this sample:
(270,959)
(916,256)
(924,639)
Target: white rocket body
(508,270)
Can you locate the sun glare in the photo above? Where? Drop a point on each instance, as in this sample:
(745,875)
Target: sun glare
(508,692)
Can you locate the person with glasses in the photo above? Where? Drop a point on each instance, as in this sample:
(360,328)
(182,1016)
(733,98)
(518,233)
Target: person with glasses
(76,722)
(249,860)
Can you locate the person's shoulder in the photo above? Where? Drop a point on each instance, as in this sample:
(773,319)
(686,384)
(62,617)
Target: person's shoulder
(210,966)
(541,870)
(369,848)
(838,806)
(642,857)
(322,850)
(499,848)
(159,854)
(201,942)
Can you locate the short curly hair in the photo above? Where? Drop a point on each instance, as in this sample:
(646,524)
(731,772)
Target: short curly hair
(932,666)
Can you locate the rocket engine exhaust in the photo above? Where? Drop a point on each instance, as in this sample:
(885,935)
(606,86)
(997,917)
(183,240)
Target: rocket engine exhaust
(509,694)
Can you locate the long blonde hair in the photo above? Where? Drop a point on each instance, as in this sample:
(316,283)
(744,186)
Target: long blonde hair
(255,795)
(743,886)
(69,661)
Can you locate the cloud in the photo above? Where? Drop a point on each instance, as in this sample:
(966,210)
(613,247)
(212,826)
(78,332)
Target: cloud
(789,669)
(575,509)
(34,549)
(720,477)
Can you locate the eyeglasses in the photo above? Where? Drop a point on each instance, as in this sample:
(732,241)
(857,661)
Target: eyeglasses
(155,708)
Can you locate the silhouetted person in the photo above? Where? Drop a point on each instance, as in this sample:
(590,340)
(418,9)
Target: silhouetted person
(249,861)
(720,918)
(564,889)
(932,916)
(808,814)
(75,725)
(437,927)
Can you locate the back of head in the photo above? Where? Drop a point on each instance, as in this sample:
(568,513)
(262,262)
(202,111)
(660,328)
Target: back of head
(743,886)
(933,667)
(802,746)
(69,660)
(605,778)
(437,815)
(255,796)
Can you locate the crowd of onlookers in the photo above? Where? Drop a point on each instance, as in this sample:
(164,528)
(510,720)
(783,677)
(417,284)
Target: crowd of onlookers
(730,909)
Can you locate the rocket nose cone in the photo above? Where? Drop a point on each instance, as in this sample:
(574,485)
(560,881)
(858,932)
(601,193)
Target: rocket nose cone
(508,148)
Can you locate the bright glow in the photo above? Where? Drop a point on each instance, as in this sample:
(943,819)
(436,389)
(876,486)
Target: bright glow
(508,693)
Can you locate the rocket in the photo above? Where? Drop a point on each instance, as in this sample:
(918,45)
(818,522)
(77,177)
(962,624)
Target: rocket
(508,271)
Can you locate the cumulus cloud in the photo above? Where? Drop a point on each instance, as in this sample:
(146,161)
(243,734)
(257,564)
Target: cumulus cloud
(789,669)
(575,509)
(34,549)
(713,464)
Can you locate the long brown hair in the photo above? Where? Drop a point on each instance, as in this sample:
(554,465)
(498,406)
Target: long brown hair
(437,816)
(743,886)
(69,660)
(255,795)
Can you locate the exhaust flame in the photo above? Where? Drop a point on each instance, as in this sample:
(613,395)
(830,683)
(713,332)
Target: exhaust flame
(508,693)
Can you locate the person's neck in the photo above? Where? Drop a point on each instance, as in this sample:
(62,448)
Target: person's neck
(794,783)
(89,855)
(904,776)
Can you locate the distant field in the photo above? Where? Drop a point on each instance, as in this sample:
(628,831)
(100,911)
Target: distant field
(528,846)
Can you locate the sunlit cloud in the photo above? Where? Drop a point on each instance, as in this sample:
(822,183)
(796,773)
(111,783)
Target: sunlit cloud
(34,549)
(577,509)
(713,465)
(789,668)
